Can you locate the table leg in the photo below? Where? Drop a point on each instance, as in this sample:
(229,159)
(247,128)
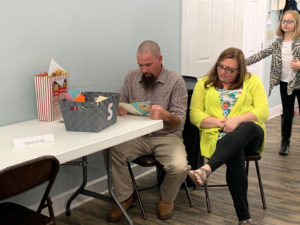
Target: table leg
(109,182)
(83,164)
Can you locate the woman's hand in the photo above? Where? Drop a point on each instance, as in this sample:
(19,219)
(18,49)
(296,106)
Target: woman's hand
(212,122)
(295,65)
(231,123)
(221,123)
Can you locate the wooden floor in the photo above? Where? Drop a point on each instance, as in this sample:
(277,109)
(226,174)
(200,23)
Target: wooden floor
(281,181)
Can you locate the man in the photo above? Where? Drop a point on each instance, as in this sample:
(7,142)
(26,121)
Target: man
(166,91)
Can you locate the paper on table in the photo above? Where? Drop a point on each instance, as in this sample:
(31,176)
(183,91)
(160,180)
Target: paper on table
(22,142)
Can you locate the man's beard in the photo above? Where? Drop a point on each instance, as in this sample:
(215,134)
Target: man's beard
(148,82)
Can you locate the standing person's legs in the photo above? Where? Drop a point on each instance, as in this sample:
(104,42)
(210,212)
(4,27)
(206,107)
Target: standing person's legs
(297,93)
(288,102)
(170,152)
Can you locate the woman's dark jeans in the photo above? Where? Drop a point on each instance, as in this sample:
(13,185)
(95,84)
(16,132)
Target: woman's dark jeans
(246,139)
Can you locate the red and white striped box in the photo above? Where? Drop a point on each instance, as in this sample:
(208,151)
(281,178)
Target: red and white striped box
(49,90)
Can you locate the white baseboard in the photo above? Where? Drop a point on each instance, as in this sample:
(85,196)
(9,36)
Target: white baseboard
(275,111)
(98,185)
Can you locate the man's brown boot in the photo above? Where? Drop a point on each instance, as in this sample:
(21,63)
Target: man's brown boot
(115,214)
(164,210)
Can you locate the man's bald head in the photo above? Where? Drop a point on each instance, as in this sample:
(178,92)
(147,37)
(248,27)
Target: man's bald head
(149,46)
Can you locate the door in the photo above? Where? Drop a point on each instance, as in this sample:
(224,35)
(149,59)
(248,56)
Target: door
(254,38)
(209,27)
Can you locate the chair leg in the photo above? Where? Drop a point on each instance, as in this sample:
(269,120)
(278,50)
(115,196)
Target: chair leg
(202,163)
(247,167)
(207,198)
(136,191)
(160,174)
(188,194)
(260,185)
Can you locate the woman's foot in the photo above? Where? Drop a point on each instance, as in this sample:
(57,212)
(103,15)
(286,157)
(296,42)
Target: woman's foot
(199,176)
(245,222)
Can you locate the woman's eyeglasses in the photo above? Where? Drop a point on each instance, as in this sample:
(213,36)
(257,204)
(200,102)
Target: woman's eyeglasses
(220,67)
(287,21)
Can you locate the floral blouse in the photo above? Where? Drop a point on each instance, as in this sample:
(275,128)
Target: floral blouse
(227,99)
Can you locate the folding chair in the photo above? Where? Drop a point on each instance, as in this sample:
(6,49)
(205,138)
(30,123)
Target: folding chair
(149,161)
(20,178)
(249,158)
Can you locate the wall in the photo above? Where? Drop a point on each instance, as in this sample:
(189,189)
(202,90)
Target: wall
(274,98)
(94,40)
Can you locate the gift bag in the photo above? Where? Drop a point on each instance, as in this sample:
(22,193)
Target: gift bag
(50,89)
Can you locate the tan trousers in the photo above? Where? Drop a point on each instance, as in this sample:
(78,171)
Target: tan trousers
(169,151)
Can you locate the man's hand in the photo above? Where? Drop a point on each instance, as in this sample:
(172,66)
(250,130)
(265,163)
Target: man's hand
(159,113)
(122,111)
(156,112)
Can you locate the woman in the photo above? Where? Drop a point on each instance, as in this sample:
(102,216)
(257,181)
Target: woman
(285,71)
(229,106)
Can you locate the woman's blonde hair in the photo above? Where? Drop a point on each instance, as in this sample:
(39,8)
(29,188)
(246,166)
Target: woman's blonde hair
(229,53)
(295,14)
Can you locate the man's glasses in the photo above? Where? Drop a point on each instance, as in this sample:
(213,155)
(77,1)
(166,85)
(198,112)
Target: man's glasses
(287,21)
(220,67)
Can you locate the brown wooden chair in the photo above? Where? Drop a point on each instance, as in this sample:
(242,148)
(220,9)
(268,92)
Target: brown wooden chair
(20,178)
(150,161)
(249,158)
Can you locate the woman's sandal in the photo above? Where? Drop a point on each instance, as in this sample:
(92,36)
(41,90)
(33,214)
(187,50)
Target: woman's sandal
(200,174)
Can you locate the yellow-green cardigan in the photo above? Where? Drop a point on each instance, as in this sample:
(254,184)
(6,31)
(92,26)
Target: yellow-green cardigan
(206,102)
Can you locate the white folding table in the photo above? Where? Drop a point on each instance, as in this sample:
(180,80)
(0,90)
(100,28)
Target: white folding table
(69,145)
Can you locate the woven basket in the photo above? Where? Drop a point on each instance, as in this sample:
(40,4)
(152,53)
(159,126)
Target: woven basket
(90,116)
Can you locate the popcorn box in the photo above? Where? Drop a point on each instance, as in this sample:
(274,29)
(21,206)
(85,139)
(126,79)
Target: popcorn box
(49,90)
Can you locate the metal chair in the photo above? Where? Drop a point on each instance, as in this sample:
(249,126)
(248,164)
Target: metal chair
(190,133)
(20,178)
(150,161)
(249,158)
